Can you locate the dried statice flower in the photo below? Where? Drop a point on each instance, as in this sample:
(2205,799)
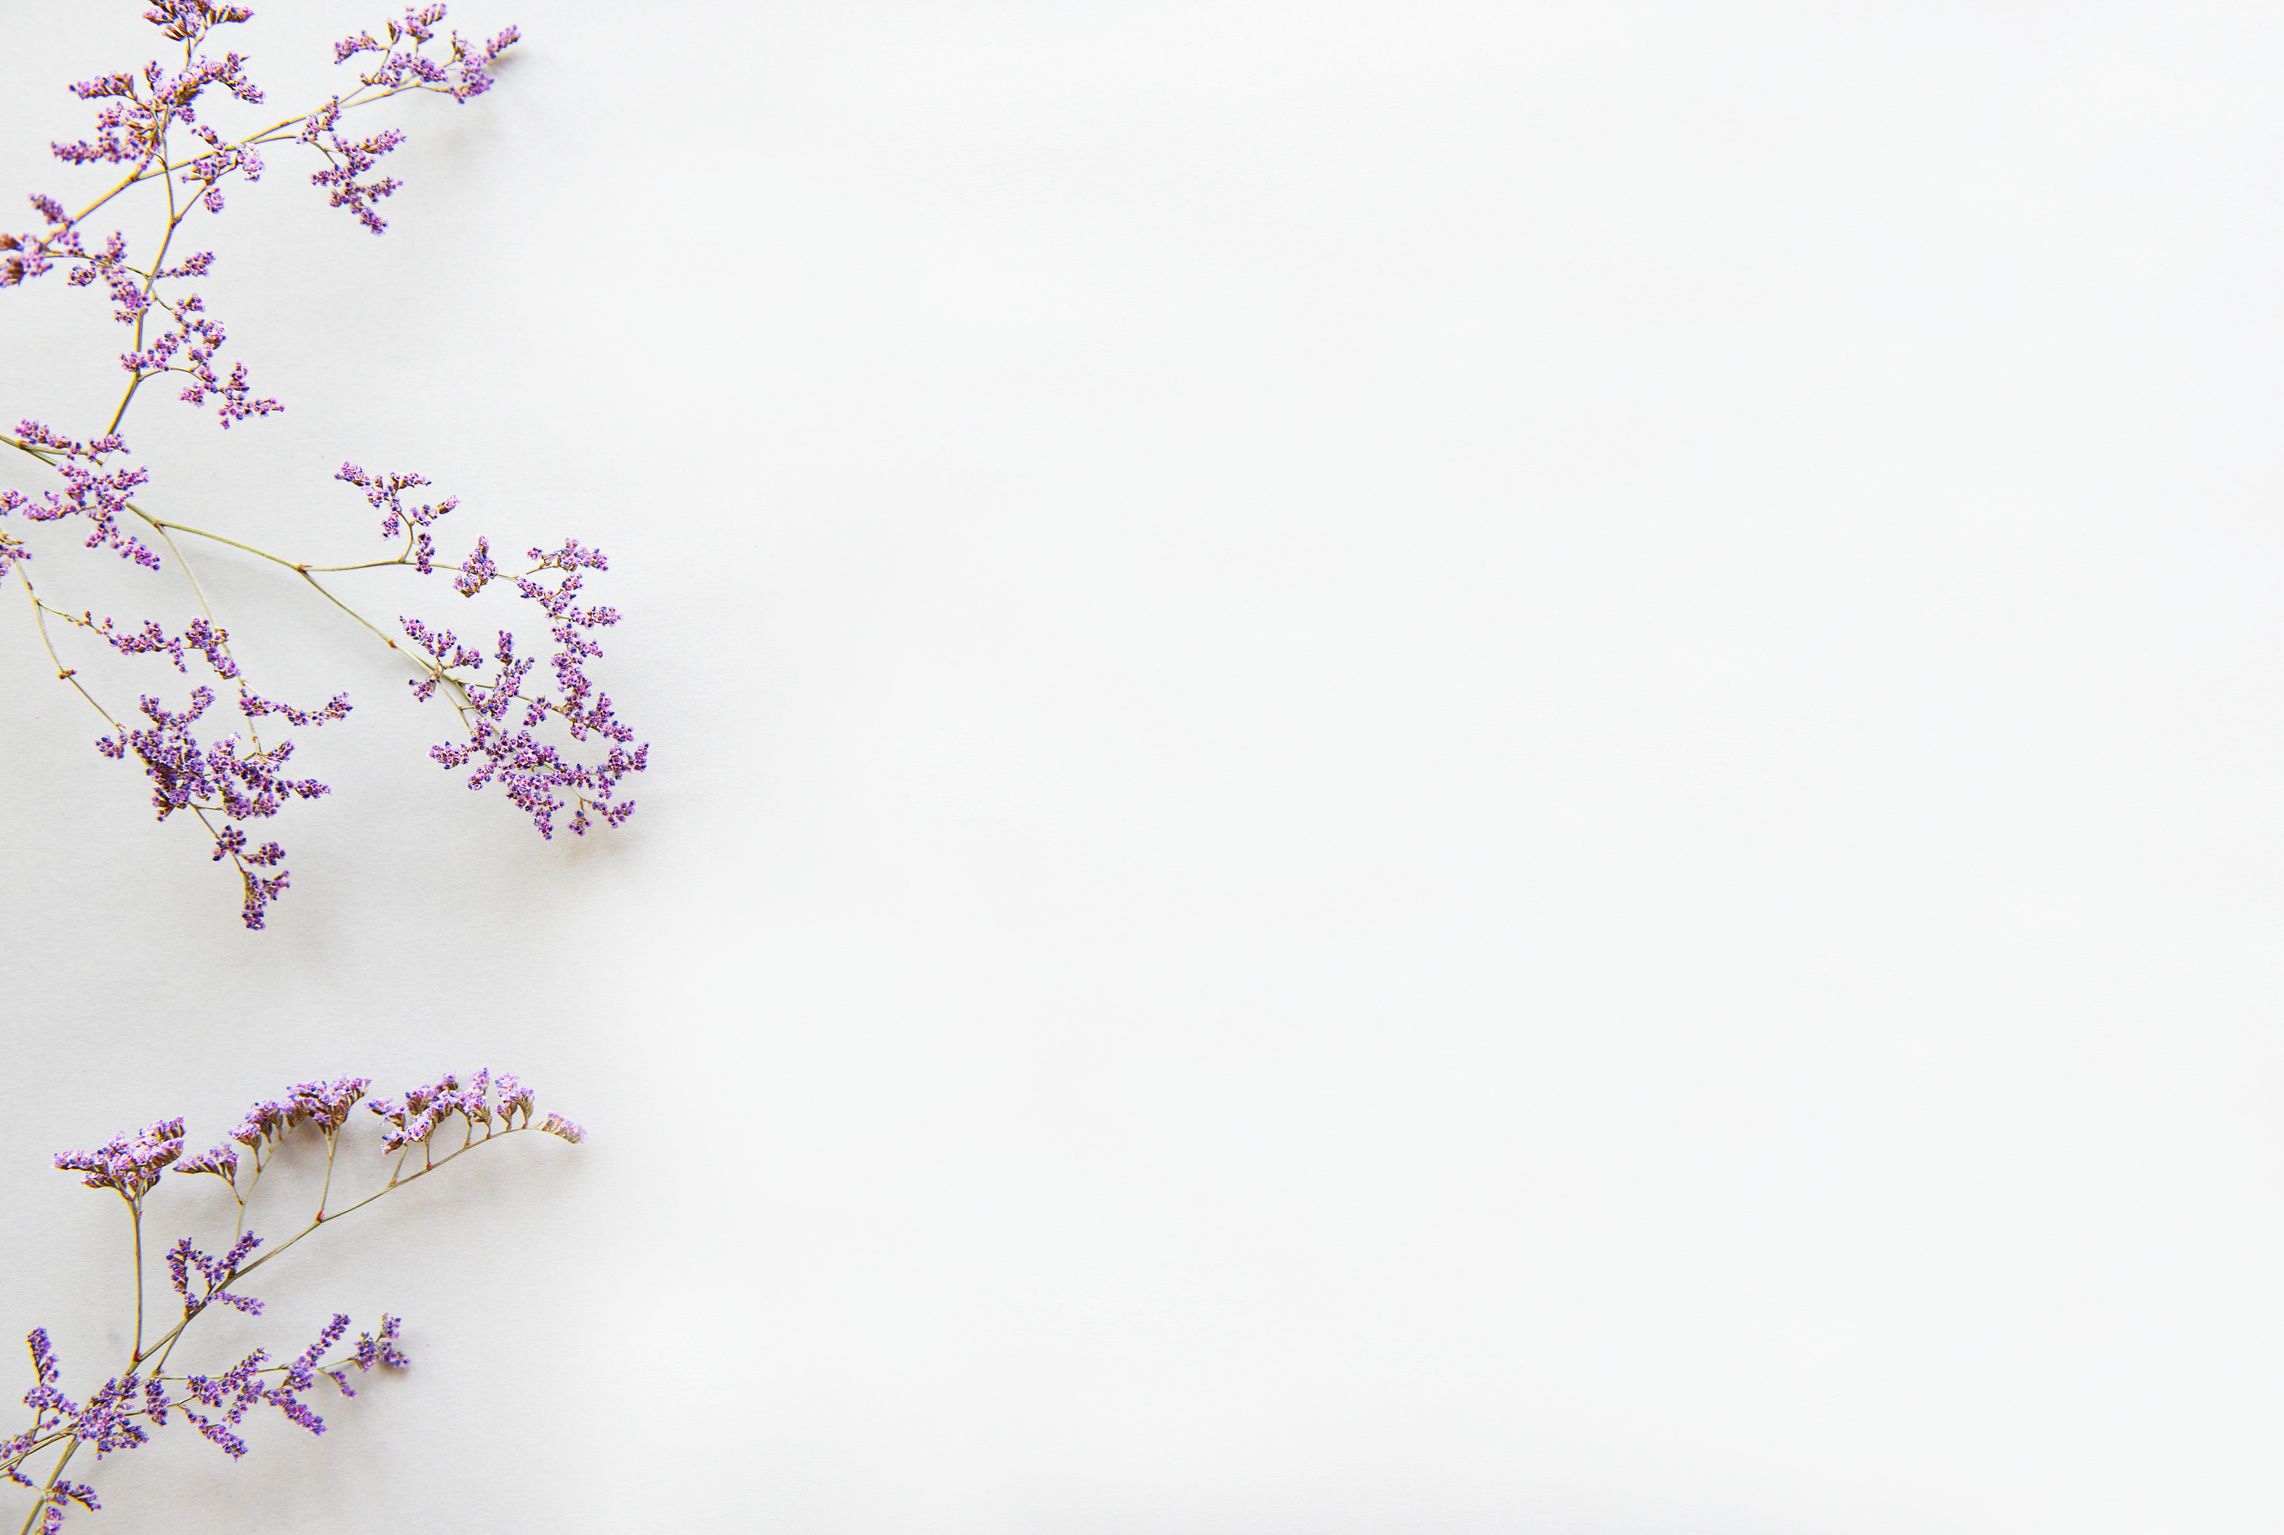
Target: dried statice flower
(482,1103)
(151,1390)
(232,776)
(185,1263)
(128,1165)
(552,746)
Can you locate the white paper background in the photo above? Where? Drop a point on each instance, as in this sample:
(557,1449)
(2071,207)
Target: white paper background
(1432,768)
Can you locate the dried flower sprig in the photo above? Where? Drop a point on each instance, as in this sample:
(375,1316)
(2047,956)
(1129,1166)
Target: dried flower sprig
(120,1414)
(551,747)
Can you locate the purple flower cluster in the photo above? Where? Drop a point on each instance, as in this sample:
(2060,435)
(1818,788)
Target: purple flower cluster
(467,73)
(132,128)
(55,1415)
(186,21)
(101,498)
(502,712)
(128,1165)
(385,493)
(346,160)
(324,1106)
(185,1262)
(240,1387)
(106,1421)
(132,123)
(123,1410)
(232,777)
(414,1119)
(402,67)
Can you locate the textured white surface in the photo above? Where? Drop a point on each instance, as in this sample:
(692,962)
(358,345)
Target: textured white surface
(1427,768)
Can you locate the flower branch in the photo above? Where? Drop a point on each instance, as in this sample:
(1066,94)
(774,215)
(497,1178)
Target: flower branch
(121,1413)
(149,122)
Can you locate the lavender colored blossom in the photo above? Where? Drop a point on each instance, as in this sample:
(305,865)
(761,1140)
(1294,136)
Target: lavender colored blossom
(421,1112)
(186,1263)
(222,1161)
(128,1165)
(465,75)
(102,499)
(500,712)
(324,1106)
(232,778)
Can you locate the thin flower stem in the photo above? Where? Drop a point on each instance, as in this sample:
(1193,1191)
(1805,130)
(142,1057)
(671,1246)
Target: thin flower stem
(48,1487)
(352,612)
(64,673)
(34,1448)
(167,1339)
(136,384)
(135,1210)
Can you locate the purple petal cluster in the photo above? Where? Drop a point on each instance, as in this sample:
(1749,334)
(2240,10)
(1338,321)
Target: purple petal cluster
(229,1396)
(201,637)
(130,126)
(232,778)
(385,492)
(200,338)
(476,572)
(106,1420)
(191,337)
(465,74)
(254,706)
(401,67)
(186,1263)
(128,1165)
(59,1497)
(209,171)
(377,1351)
(414,1118)
(222,1161)
(325,1105)
(186,21)
(502,712)
(346,159)
(52,1412)
(138,109)
(26,256)
(101,498)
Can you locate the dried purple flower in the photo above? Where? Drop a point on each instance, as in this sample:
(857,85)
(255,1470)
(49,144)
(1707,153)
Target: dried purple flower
(222,1161)
(213,1274)
(129,1166)
(233,779)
